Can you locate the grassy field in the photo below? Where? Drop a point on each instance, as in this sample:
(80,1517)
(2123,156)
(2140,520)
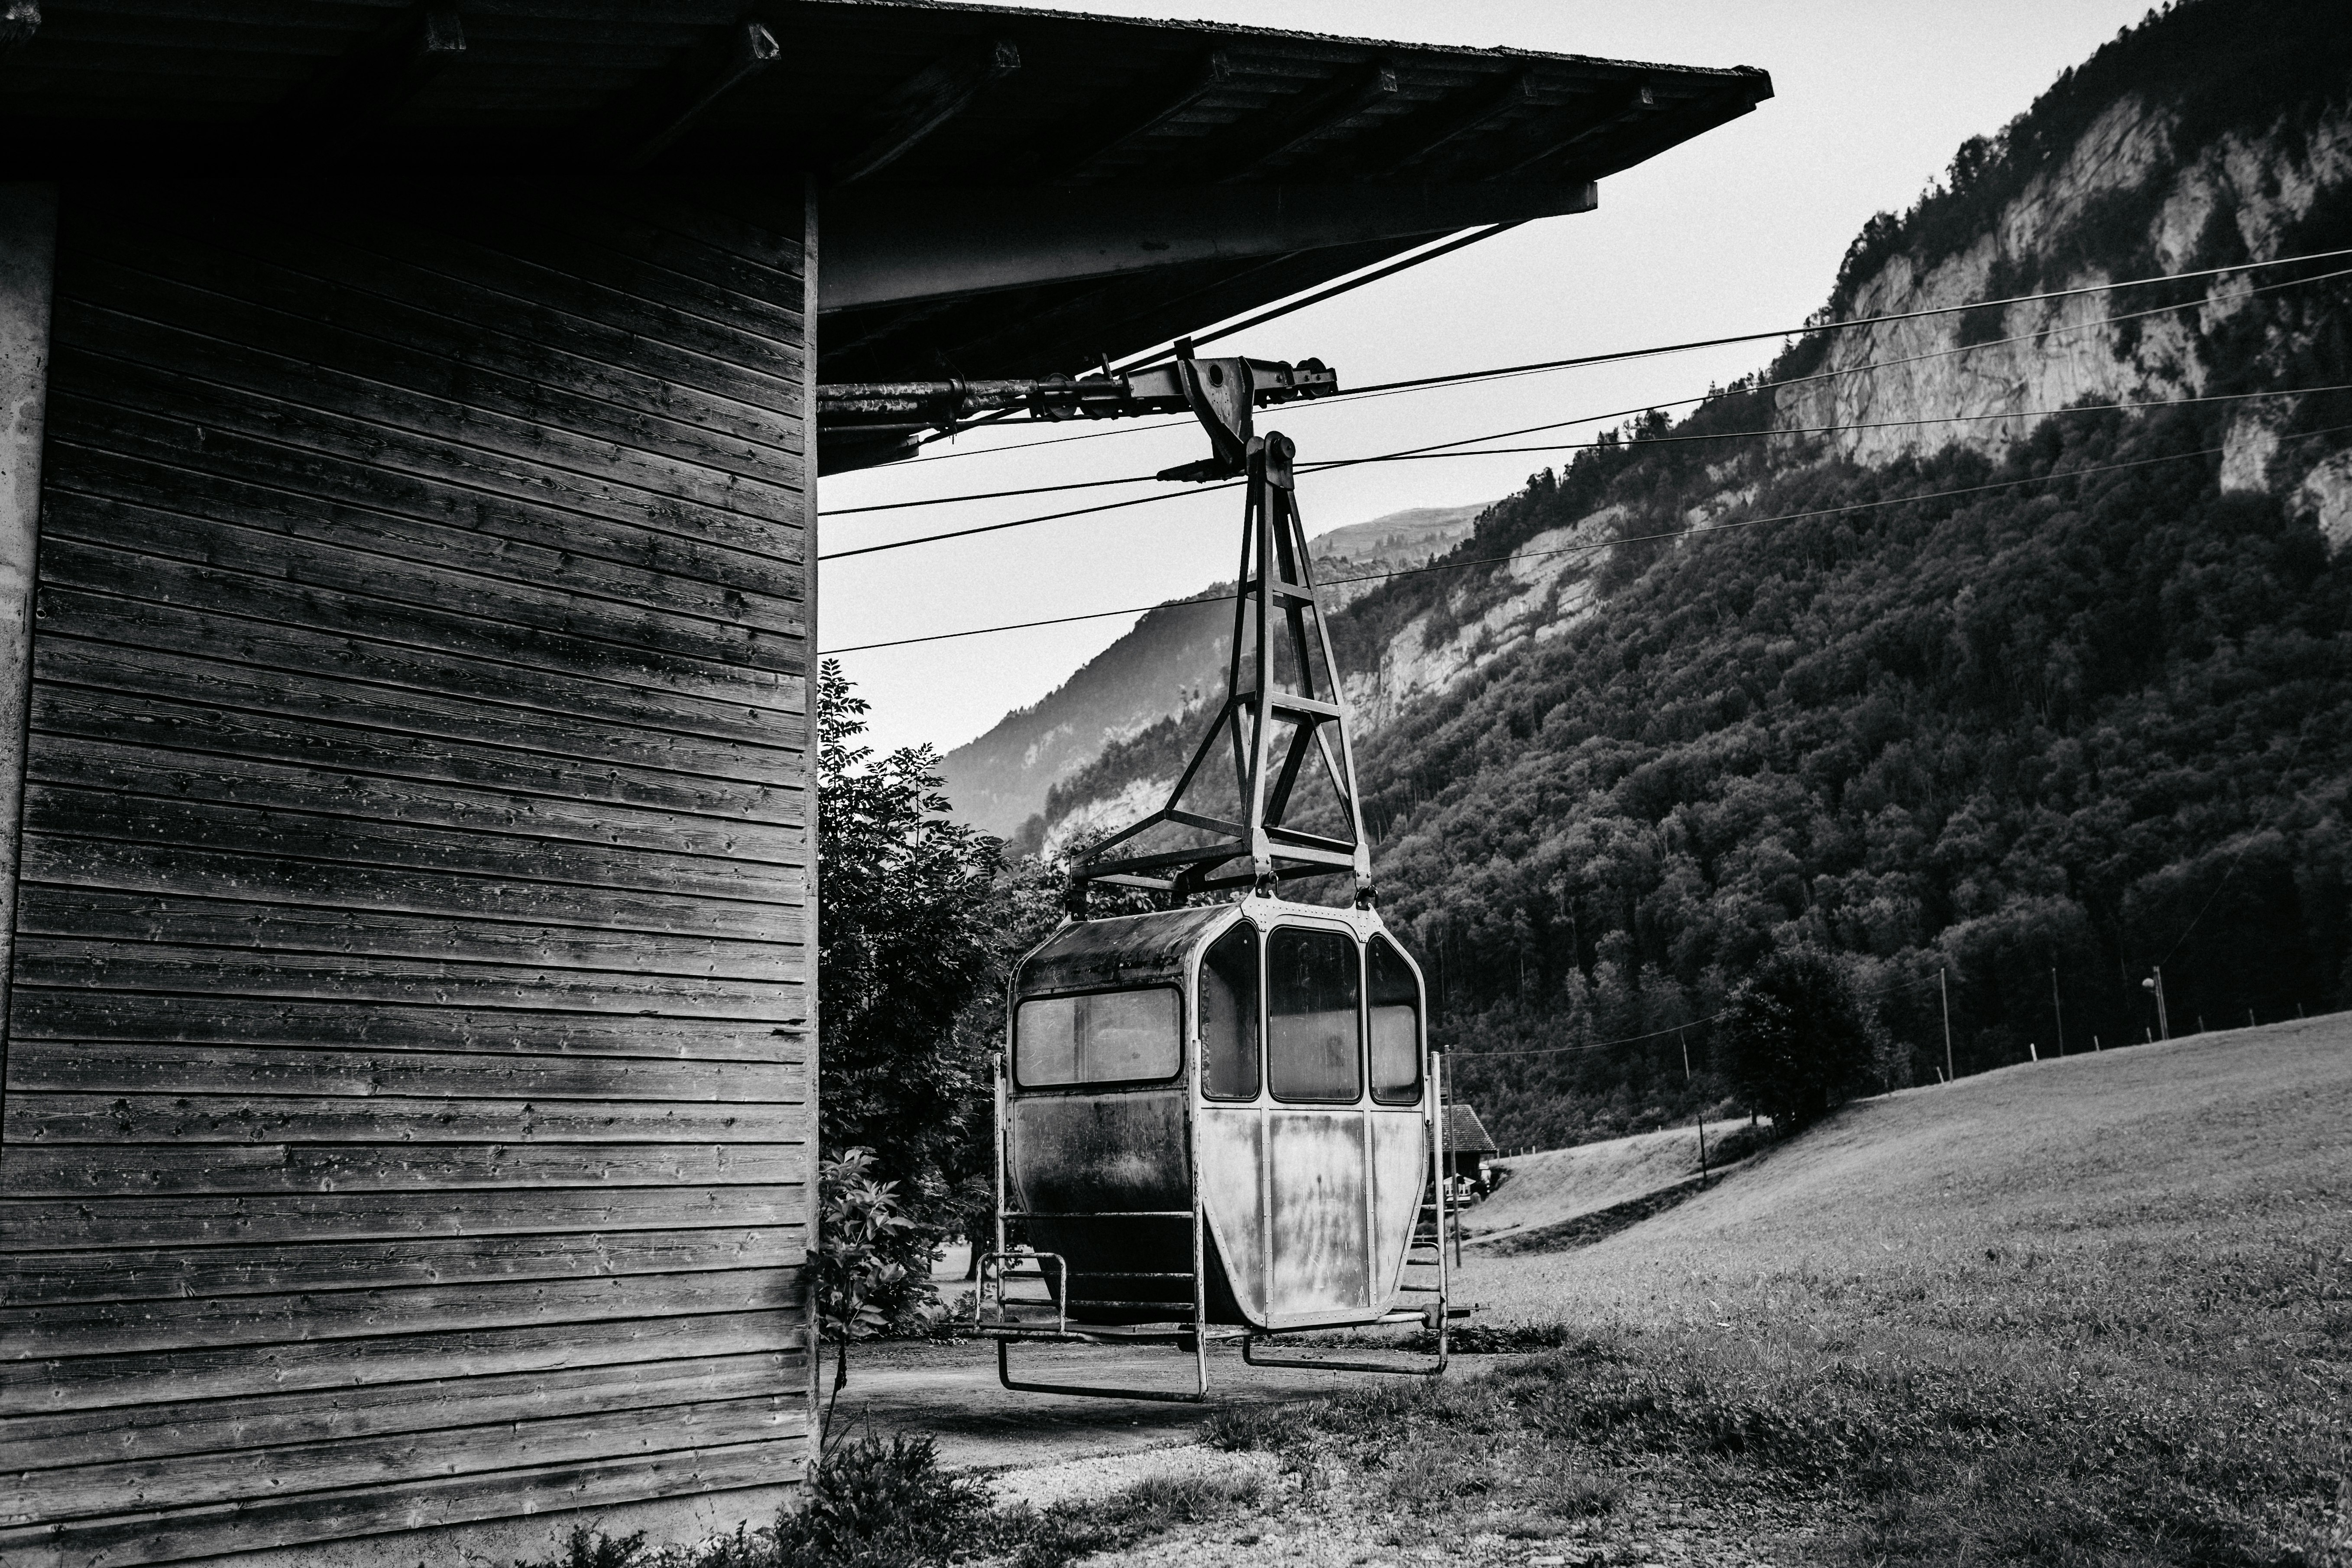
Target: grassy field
(1557,1184)
(2092,1311)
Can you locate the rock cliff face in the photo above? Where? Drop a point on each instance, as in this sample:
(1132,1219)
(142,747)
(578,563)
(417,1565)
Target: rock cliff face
(2127,202)
(2158,178)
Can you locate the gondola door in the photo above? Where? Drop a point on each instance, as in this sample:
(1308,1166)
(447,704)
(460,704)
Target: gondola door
(1311,1166)
(1318,1230)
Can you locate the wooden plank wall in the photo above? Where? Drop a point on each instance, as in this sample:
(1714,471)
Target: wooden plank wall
(408,1098)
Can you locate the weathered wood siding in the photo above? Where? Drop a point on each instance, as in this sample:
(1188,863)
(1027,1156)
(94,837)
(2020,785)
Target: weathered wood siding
(408,1101)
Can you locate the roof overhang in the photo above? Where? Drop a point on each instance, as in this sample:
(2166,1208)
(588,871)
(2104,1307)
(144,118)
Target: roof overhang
(882,250)
(1004,193)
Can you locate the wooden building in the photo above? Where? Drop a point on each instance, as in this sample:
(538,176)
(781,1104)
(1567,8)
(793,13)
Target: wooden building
(1469,1147)
(405,624)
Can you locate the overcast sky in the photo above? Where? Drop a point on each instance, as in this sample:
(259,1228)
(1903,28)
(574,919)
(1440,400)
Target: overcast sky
(1739,230)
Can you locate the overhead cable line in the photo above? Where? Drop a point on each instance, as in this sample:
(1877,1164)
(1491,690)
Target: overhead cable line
(1655,350)
(1469,440)
(1496,435)
(1315,297)
(1842,430)
(1696,344)
(1441,450)
(1577,549)
(1593,1044)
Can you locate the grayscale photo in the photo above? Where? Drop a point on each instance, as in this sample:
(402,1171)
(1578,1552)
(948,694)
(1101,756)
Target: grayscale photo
(1202,783)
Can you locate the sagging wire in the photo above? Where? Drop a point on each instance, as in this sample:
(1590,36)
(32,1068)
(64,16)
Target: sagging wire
(1384,389)
(1590,547)
(1467,441)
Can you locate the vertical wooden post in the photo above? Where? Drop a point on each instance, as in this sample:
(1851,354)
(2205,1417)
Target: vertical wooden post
(812,679)
(2057,1010)
(1944,985)
(29,251)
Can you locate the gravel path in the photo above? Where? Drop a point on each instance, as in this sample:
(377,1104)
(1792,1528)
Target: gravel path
(1344,1526)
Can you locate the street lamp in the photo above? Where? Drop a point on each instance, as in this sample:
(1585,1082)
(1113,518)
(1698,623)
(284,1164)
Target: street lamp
(2155,984)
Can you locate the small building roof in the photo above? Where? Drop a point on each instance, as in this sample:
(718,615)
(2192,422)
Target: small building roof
(902,106)
(1464,1133)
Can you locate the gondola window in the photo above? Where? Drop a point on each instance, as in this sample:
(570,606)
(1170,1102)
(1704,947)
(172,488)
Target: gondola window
(1395,1017)
(1101,1036)
(1312,987)
(1229,1015)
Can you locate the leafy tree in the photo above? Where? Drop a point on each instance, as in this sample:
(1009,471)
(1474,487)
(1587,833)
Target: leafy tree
(1796,1044)
(907,898)
(857,1220)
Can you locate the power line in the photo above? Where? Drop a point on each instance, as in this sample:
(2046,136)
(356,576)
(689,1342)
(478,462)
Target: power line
(1905,986)
(1593,1045)
(1842,326)
(1573,548)
(1445,449)
(1655,350)
(1442,451)
(1523,430)
(1317,297)
(1869,424)
(1018,523)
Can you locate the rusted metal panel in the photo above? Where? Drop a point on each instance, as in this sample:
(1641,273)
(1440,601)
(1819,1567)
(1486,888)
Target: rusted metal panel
(1231,1148)
(1314,1194)
(1107,1153)
(1400,1172)
(1128,950)
(1113,1172)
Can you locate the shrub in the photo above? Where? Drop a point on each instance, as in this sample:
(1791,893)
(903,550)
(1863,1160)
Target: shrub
(1737,1144)
(1795,1040)
(878,1504)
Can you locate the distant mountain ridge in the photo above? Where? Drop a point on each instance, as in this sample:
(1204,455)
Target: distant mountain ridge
(1171,662)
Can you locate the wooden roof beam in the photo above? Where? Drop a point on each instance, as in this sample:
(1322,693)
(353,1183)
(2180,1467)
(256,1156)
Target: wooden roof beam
(1657,133)
(321,119)
(957,242)
(1359,89)
(1422,136)
(903,118)
(1625,103)
(751,50)
(1150,111)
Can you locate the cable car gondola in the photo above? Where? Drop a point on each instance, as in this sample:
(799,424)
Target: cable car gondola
(1221,1119)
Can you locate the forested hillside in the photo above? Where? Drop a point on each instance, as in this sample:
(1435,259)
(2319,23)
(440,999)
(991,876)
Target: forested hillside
(1931,677)
(1171,660)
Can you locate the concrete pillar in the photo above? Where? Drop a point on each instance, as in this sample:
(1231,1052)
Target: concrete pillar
(29,251)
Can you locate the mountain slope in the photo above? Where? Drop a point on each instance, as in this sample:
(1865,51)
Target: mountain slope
(1171,659)
(2036,701)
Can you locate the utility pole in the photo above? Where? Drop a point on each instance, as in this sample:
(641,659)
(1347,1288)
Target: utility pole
(2058,1009)
(2155,983)
(1943,984)
(1684,1038)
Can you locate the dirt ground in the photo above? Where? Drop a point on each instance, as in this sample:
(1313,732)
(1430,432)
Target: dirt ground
(949,1393)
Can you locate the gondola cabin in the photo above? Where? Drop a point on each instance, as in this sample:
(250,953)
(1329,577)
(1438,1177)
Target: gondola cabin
(1259,1064)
